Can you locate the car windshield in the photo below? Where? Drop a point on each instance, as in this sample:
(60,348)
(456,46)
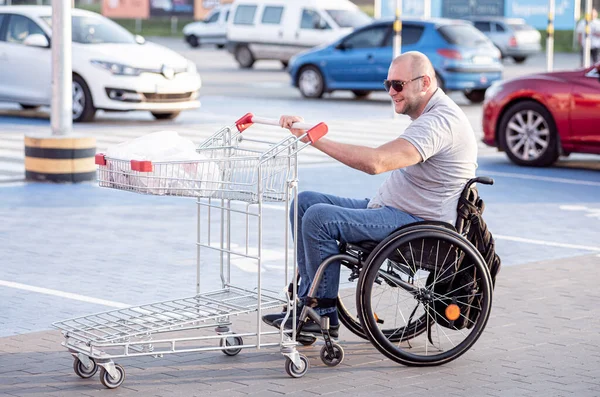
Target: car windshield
(463,34)
(96,30)
(349,18)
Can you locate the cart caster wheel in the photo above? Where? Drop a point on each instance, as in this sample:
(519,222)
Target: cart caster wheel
(82,371)
(338,355)
(108,381)
(232,341)
(294,371)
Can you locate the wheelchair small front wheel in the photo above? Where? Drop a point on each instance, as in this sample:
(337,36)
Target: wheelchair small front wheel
(434,286)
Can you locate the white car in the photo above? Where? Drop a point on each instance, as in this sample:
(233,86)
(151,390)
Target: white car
(113,70)
(212,30)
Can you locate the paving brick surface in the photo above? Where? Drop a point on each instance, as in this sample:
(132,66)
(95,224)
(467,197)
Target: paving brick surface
(541,340)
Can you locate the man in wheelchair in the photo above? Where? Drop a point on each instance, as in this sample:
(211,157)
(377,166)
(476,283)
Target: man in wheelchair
(430,163)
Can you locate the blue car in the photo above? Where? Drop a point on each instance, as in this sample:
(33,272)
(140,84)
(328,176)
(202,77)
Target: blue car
(464,59)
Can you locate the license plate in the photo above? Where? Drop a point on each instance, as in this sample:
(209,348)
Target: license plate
(480,59)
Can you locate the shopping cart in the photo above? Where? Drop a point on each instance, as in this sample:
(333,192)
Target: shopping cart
(231,168)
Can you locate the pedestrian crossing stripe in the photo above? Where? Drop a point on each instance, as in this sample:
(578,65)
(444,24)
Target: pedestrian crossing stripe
(358,132)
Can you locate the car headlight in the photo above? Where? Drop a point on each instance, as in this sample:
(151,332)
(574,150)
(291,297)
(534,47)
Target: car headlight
(492,90)
(117,68)
(191,68)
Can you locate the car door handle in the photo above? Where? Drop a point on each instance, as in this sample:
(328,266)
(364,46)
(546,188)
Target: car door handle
(281,34)
(369,57)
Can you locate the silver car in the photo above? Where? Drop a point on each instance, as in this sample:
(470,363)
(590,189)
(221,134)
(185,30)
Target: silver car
(513,37)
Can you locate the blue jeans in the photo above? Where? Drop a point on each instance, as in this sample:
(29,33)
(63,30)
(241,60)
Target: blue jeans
(325,219)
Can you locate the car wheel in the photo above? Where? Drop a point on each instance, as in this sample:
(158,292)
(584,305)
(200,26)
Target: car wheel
(220,46)
(244,57)
(165,116)
(361,94)
(528,135)
(83,106)
(519,59)
(311,82)
(28,107)
(193,41)
(475,96)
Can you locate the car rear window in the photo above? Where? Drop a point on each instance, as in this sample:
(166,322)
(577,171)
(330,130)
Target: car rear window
(520,26)
(462,34)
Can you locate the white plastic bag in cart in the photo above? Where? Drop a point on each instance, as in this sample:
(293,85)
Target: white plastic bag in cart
(177,168)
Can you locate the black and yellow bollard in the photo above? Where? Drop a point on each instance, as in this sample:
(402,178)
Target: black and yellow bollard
(60,159)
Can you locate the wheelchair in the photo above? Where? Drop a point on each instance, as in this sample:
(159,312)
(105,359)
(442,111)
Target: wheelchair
(423,295)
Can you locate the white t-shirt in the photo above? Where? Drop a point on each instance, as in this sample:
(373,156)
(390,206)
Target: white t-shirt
(430,189)
(594,32)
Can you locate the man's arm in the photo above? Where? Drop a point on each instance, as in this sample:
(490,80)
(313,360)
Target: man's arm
(398,153)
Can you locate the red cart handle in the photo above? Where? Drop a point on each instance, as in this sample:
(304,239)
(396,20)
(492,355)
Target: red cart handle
(314,132)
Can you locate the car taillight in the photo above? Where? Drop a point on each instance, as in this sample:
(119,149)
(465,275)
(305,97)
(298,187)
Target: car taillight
(513,41)
(451,54)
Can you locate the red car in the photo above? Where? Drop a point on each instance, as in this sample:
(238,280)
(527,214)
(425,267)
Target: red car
(536,118)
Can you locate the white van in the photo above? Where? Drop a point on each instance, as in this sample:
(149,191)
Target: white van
(279,29)
(212,30)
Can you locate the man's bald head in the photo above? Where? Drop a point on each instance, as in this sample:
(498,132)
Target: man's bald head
(416,63)
(415,73)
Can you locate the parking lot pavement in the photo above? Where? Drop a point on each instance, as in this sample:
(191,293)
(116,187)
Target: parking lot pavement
(68,248)
(542,339)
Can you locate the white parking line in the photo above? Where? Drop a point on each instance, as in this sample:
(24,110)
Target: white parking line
(541,178)
(547,243)
(62,294)
(501,237)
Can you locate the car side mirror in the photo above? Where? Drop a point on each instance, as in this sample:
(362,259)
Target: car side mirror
(321,25)
(36,40)
(140,39)
(343,46)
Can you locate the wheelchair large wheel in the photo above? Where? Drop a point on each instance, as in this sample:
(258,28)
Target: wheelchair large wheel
(424,272)
(348,315)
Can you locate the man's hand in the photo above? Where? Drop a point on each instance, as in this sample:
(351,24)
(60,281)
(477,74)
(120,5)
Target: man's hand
(287,121)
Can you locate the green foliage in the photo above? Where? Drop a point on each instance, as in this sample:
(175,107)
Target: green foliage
(563,41)
(95,7)
(368,9)
(156,26)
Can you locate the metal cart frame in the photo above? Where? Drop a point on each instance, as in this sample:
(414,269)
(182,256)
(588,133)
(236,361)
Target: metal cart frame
(230,167)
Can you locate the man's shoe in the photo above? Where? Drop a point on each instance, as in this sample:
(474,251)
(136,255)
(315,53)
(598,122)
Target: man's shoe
(310,327)
(313,328)
(272,317)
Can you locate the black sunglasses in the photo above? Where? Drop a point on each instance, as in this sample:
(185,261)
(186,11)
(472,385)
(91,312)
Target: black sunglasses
(397,85)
